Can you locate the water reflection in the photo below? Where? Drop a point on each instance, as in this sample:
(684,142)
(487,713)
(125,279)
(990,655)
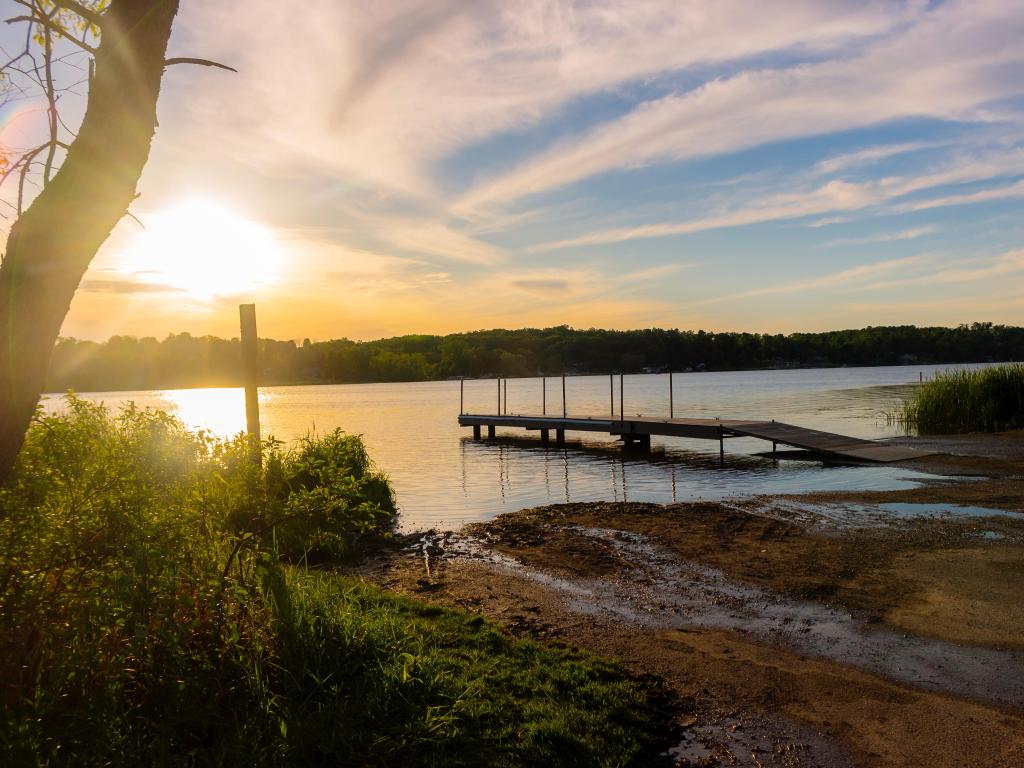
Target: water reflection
(221,411)
(444,478)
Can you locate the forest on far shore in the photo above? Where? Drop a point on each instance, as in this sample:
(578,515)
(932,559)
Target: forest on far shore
(182,360)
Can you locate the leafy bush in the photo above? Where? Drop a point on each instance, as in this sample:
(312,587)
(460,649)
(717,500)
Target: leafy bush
(986,400)
(146,618)
(328,497)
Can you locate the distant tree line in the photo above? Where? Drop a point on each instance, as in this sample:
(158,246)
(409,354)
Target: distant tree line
(182,360)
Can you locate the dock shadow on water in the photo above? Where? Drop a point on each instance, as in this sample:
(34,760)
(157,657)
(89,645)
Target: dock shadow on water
(662,591)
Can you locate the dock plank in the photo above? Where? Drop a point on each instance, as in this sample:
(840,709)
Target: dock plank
(827,444)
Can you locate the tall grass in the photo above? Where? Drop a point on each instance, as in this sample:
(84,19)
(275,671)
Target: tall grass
(984,400)
(155,608)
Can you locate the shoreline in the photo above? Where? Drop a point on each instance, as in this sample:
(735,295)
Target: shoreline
(792,630)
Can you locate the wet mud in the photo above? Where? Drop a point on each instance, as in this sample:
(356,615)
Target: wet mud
(871,628)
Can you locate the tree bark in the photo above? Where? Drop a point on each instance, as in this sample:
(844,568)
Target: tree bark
(50,246)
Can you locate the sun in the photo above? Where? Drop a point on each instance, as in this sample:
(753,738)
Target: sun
(204,249)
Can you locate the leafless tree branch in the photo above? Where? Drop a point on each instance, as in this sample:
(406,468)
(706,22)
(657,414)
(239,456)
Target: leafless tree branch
(200,62)
(54,27)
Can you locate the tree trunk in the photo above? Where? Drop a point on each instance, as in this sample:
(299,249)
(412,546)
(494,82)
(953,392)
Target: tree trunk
(50,246)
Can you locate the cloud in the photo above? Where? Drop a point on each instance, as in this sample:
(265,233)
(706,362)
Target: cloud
(982,196)
(125,287)
(381,92)
(653,273)
(832,196)
(844,278)
(545,285)
(1005,264)
(883,237)
(949,64)
(870,156)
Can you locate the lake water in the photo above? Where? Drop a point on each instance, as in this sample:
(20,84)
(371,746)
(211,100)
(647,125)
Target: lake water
(443,478)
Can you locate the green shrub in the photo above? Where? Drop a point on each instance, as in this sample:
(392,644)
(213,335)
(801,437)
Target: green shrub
(146,618)
(329,498)
(984,400)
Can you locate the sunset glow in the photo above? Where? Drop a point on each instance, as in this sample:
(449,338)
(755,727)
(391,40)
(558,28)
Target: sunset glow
(204,250)
(443,167)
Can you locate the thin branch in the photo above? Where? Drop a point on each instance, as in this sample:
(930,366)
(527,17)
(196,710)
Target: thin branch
(200,62)
(51,111)
(22,165)
(56,28)
(95,19)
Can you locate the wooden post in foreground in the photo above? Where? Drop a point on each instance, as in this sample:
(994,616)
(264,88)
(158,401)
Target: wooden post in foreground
(250,375)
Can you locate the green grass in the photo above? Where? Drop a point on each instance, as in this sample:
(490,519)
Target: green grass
(156,608)
(984,400)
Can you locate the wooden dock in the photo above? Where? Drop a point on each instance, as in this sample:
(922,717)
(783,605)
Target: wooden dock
(637,432)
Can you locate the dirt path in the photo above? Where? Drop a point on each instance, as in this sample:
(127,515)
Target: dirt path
(816,630)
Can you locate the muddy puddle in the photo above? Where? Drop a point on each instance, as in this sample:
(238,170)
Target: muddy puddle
(661,591)
(755,742)
(863,515)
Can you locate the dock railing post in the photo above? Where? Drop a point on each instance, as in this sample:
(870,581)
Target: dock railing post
(251,372)
(462,396)
(505,408)
(565,412)
(611,393)
(499,397)
(671,398)
(622,412)
(544,396)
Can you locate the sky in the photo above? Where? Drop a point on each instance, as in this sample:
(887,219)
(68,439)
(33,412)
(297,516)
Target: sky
(377,169)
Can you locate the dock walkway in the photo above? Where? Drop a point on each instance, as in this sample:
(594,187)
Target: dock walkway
(639,430)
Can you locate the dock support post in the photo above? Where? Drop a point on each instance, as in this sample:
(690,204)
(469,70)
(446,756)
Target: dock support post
(476,431)
(545,436)
(560,436)
(490,431)
(721,445)
(671,398)
(251,372)
(564,411)
(462,396)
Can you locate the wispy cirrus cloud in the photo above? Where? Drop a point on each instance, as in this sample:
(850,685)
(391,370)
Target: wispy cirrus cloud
(1006,264)
(845,278)
(832,196)
(387,89)
(883,237)
(870,156)
(445,164)
(950,63)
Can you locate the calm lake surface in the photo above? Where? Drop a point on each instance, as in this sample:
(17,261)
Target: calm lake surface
(443,478)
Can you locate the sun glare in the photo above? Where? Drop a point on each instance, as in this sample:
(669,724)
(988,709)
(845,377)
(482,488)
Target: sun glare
(204,249)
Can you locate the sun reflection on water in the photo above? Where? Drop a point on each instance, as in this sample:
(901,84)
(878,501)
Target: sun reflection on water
(218,411)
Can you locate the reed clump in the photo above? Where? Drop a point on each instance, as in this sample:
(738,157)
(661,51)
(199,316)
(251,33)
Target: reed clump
(955,401)
(157,608)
